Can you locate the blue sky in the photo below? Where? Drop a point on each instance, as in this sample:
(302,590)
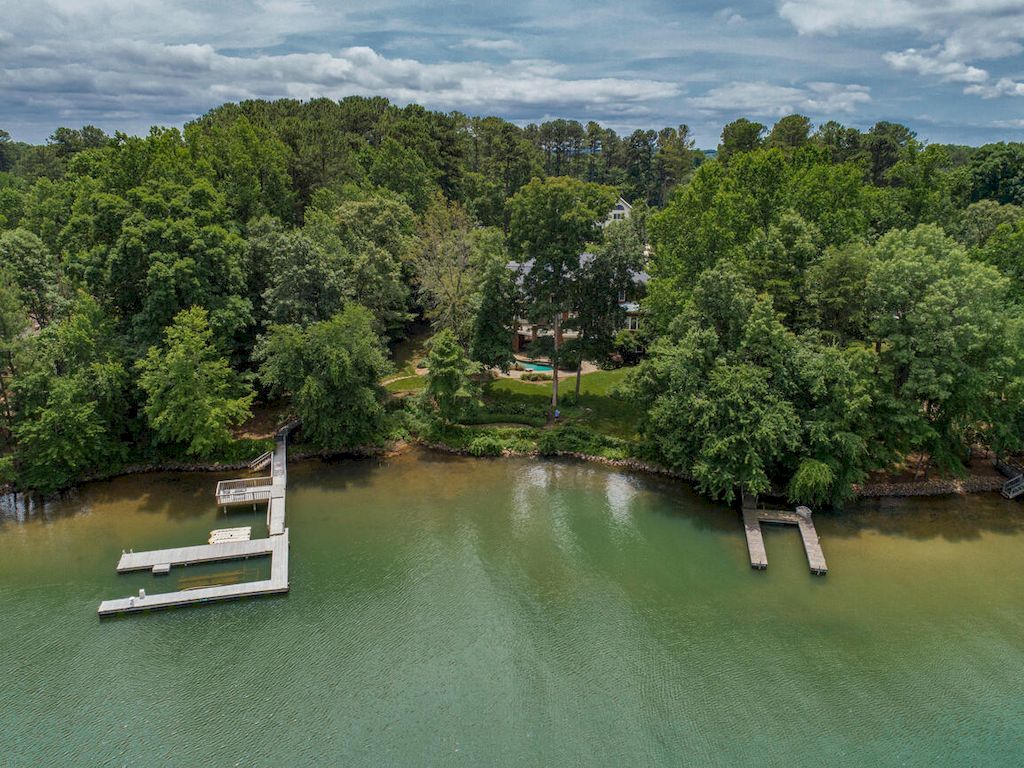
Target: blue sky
(953,70)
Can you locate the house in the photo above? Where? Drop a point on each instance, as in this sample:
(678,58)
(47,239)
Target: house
(629,300)
(527,332)
(620,212)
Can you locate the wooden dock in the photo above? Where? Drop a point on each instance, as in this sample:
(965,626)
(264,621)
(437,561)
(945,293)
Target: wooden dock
(752,519)
(275,546)
(225,544)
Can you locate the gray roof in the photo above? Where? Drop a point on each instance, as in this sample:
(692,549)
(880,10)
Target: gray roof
(641,277)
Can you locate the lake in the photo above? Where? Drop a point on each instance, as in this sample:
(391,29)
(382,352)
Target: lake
(474,612)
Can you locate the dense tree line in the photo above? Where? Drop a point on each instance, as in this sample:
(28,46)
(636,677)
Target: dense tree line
(829,304)
(823,303)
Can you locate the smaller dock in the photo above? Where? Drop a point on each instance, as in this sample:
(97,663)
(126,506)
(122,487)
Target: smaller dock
(752,519)
(222,535)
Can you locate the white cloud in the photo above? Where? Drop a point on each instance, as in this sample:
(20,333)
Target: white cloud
(729,16)
(929,62)
(1017,124)
(1004,86)
(766,99)
(479,44)
(961,31)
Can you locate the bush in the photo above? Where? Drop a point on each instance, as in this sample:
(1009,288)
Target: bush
(576,439)
(421,364)
(486,445)
(534,376)
(503,417)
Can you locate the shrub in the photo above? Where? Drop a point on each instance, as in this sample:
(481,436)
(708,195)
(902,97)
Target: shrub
(576,439)
(534,376)
(486,445)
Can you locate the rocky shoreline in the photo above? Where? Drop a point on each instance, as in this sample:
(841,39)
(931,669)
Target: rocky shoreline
(933,487)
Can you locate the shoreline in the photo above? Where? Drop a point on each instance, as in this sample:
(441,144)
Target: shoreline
(877,490)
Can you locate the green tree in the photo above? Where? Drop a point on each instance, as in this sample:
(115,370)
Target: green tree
(495,319)
(938,322)
(403,171)
(552,221)
(306,285)
(608,274)
(371,240)
(740,136)
(449,387)
(35,271)
(14,323)
(193,397)
(70,399)
(790,133)
(448,268)
(331,370)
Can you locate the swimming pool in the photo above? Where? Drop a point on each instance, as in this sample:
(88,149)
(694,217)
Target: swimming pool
(534,366)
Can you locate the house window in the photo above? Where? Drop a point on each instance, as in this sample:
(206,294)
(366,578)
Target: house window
(622,296)
(633,322)
(617,216)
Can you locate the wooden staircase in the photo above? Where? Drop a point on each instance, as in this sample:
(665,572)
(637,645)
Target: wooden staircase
(262,461)
(1014,487)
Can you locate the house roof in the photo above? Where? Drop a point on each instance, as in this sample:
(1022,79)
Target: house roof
(523,267)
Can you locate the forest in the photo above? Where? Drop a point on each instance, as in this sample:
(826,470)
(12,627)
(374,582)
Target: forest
(824,302)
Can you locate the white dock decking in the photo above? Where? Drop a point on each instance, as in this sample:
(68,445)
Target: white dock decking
(226,544)
(752,519)
(275,546)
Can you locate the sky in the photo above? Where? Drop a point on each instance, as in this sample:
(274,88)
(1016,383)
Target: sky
(953,70)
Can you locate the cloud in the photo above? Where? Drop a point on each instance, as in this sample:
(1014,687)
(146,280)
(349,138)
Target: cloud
(729,16)
(961,31)
(128,69)
(931,63)
(478,44)
(1004,86)
(1015,124)
(765,99)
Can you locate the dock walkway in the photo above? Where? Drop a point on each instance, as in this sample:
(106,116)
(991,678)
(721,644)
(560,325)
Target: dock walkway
(275,546)
(752,519)
(271,490)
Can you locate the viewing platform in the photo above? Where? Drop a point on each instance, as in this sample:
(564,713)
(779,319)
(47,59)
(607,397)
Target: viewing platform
(249,490)
(752,519)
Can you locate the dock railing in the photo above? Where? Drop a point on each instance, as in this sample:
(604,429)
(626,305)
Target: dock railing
(244,490)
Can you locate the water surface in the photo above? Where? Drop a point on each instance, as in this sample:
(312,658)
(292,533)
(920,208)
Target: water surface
(454,612)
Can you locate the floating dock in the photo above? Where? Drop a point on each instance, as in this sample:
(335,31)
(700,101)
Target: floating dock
(225,544)
(752,519)
(222,535)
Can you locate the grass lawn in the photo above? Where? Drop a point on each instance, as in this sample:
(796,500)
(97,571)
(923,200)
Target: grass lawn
(596,409)
(411,383)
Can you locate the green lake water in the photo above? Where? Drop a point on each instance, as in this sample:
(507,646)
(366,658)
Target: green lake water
(458,612)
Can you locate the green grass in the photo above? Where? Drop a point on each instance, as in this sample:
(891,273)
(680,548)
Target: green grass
(411,383)
(596,409)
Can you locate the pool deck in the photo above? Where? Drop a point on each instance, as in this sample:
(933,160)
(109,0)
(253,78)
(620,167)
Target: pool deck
(270,489)
(752,519)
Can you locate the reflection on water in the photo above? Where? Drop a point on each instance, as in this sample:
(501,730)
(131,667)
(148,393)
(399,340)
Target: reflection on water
(505,612)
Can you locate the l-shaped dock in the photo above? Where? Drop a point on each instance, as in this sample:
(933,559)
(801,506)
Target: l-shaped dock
(752,519)
(270,490)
